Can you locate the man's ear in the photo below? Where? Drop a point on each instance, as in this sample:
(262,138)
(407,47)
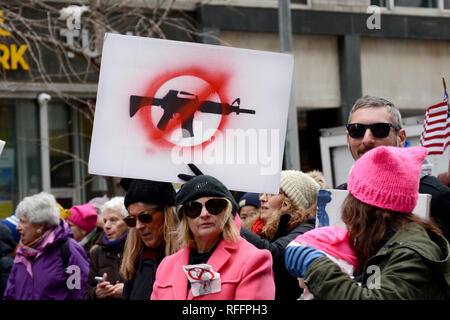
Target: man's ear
(401,137)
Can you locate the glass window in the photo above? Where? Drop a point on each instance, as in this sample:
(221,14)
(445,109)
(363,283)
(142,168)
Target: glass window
(416,3)
(20,163)
(447,4)
(60,141)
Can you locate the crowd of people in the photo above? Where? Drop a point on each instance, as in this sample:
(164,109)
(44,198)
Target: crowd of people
(205,242)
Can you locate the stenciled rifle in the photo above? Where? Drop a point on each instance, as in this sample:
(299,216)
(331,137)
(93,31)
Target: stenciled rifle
(176,101)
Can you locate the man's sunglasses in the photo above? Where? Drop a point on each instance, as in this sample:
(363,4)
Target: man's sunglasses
(379,130)
(194,208)
(143,218)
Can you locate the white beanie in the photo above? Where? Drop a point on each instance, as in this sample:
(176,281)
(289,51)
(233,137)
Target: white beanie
(299,187)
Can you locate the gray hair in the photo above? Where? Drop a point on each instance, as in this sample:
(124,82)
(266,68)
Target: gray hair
(372,101)
(39,208)
(116,204)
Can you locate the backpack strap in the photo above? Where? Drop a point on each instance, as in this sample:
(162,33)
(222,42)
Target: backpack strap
(65,254)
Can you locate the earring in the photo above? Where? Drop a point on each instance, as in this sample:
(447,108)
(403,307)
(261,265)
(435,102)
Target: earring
(39,230)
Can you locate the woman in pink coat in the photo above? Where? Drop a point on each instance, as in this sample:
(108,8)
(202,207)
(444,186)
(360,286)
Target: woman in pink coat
(216,263)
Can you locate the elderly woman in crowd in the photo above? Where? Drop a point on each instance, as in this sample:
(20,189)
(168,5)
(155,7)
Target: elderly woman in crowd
(399,254)
(152,220)
(45,243)
(216,263)
(106,255)
(283,217)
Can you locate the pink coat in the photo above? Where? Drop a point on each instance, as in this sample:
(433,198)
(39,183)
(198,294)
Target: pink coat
(245,272)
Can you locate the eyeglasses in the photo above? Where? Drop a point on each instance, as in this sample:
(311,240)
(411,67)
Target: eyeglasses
(379,130)
(194,208)
(143,218)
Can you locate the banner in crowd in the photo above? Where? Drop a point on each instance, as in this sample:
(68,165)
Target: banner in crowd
(162,104)
(330,201)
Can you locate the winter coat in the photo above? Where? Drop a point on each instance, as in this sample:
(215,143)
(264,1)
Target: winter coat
(45,279)
(440,202)
(141,286)
(413,264)
(287,287)
(103,260)
(7,247)
(245,274)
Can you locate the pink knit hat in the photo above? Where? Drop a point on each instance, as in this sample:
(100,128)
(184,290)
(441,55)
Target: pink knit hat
(332,240)
(84,216)
(388,177)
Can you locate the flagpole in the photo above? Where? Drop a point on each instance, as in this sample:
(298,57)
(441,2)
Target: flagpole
(445,90)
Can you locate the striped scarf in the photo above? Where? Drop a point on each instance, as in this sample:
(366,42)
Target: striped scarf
(31,250)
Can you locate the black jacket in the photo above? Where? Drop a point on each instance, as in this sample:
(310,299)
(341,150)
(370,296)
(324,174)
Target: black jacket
(103,260)
(440,201)
(141,286)
(7,247)
(286,286)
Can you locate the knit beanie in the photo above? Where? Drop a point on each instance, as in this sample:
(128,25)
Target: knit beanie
(11,222)
(148,191)
(332,240)
(388,177)
(84,216)
(299,187)
(204,186)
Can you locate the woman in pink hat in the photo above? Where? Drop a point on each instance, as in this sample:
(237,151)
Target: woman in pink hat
(400,255)
(83,223)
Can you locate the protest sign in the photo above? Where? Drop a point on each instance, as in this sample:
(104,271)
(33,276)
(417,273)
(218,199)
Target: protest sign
(162,104)
(329,207)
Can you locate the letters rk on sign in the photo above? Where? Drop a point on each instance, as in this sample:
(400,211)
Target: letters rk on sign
(162,104)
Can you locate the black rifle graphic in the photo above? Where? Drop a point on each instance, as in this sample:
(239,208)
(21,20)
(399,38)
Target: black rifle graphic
(175,101)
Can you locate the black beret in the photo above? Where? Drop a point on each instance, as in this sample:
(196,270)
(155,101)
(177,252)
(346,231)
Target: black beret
(148,191)
(204,186)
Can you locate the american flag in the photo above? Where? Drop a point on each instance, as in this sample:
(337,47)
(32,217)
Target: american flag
(436,127)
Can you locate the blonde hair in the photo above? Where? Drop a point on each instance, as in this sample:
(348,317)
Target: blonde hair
(298,215)
(229,229)
(134,244)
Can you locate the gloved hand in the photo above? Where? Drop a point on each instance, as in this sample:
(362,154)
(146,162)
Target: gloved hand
(298,258)
(282,226)
(195,170)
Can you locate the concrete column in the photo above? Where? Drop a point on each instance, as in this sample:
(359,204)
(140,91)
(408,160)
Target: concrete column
(349,73)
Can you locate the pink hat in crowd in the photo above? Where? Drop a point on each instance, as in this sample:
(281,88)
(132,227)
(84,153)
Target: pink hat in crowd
(388,177)
(332,240)
(84,216)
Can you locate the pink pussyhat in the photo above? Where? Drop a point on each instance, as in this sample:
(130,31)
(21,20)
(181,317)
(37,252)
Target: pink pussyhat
(388,177)
(333,240)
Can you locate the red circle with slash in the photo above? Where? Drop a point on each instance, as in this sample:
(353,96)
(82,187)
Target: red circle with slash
(202,271)
(217,82)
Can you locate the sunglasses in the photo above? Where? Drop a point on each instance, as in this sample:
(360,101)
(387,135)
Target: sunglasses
(143,218)
(194,208)
(379,130)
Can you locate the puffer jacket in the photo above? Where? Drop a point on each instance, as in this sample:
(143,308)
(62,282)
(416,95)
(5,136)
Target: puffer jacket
(45,278)
(413,264)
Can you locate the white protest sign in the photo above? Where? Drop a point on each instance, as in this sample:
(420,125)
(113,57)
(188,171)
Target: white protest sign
(162,104)
(329,207)
(2,144)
